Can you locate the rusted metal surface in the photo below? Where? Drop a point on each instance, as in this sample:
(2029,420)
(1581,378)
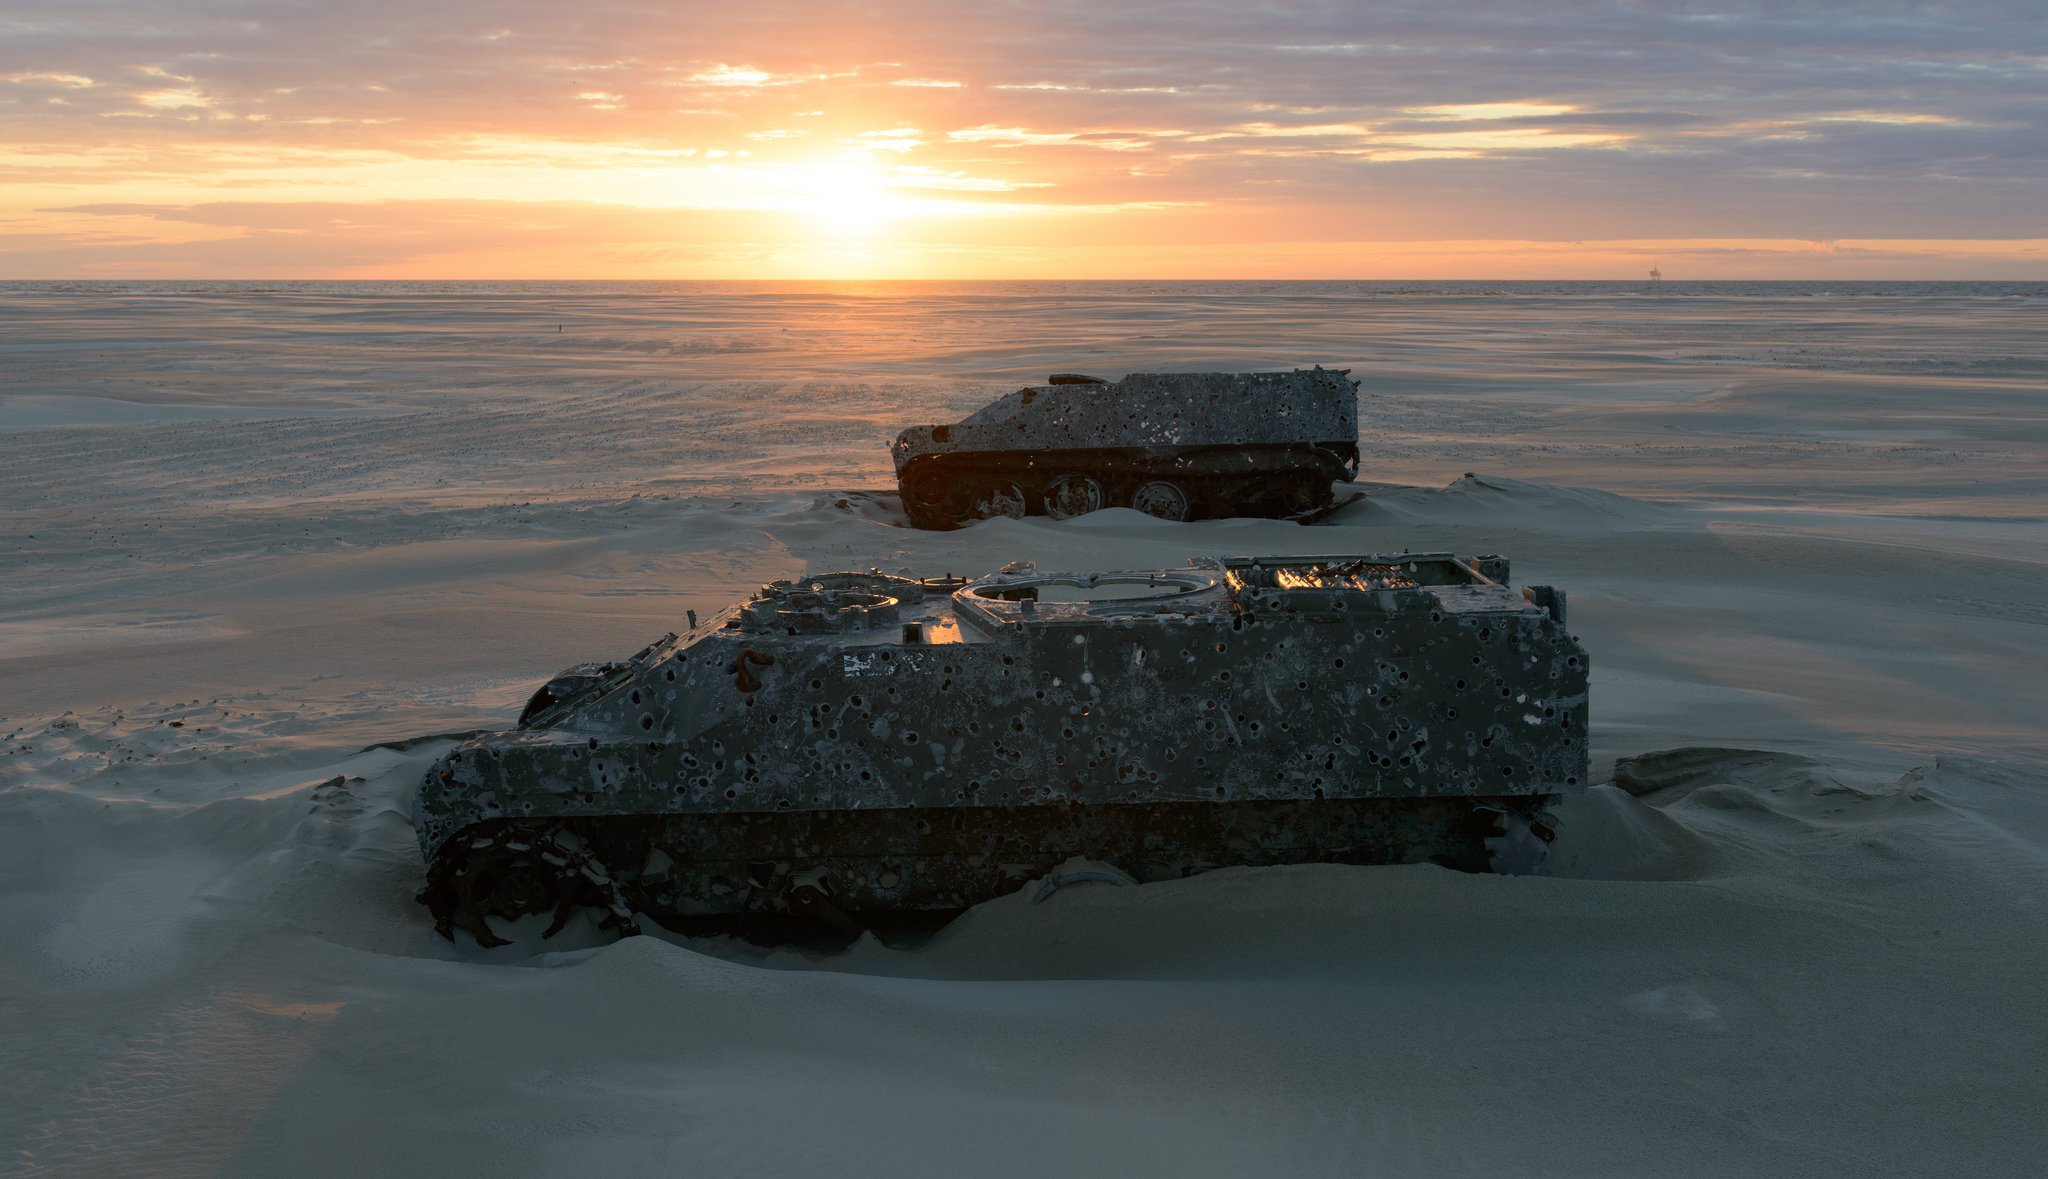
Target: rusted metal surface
(928,744)
(1181,446)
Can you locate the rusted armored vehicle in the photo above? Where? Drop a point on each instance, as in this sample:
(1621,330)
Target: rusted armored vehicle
(850,746)
(1180,446)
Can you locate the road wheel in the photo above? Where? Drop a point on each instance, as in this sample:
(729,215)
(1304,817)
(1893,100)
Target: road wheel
(1073,495)
(1162,499)
(1307,493)
(1002,498)
(927,488)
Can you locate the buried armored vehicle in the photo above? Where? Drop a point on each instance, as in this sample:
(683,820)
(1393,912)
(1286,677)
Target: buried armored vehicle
(1181,446)
(852,746)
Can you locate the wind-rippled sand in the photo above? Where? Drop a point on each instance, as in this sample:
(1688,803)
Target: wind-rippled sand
(253,541)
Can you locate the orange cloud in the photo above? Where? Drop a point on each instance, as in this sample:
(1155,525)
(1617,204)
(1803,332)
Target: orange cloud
(1016,138)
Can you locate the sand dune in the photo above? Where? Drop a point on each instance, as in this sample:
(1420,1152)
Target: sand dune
(1798,929)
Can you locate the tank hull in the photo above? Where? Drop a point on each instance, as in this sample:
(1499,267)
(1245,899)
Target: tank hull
(1184,446)
(942,491)
(880,744)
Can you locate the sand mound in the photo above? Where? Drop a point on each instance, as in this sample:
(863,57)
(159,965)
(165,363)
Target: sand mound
(1678,769)
(1500,502)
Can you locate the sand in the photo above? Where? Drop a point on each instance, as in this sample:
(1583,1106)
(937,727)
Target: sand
(259,547)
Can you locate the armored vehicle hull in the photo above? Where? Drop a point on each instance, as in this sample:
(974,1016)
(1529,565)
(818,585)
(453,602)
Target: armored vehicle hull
(1181,446)
(855,745)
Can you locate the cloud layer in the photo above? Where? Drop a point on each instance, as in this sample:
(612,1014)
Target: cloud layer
(937,138)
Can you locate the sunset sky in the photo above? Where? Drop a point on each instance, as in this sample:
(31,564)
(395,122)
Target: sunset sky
(1098,139)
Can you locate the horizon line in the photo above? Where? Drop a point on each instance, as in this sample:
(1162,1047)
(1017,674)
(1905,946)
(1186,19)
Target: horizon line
(1644,280)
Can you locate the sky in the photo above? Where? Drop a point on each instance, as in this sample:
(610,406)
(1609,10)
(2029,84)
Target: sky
(510,139)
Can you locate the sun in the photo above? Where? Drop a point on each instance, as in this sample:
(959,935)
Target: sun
(849,197)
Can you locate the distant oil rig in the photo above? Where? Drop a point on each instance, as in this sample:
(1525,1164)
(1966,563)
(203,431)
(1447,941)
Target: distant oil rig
(1656,275)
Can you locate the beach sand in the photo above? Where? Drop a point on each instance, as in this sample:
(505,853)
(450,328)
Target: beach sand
(255,545)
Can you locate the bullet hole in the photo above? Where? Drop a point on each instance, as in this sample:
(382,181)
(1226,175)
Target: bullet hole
(646,721)
(636,695)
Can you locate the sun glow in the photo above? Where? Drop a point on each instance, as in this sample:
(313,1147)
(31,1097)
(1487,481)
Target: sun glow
(850,197)
(903,140)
